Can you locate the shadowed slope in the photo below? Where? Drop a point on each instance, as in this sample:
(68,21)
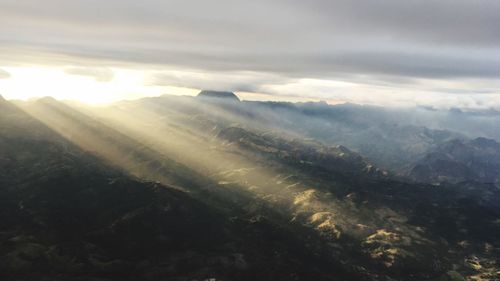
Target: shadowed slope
(119,149)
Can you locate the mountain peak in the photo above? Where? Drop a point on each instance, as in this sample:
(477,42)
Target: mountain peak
(218,94)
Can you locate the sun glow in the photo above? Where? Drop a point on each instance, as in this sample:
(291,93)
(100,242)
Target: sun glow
(30,82)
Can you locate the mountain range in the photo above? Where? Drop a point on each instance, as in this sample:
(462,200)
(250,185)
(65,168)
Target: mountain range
(215,188)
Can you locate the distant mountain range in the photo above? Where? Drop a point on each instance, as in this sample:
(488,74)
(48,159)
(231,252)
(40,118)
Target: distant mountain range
(213,188)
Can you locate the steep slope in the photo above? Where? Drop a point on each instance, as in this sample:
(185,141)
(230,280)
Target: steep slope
(336,160)
(400,226)
(93,136)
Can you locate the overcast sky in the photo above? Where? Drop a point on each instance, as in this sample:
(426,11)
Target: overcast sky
(387,51)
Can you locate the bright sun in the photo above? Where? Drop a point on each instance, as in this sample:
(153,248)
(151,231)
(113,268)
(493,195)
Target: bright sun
(29,82)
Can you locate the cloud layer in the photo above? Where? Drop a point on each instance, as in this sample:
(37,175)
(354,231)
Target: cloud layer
(393,43)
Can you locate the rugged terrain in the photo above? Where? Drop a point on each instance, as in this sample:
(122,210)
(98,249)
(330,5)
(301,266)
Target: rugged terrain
(182,188)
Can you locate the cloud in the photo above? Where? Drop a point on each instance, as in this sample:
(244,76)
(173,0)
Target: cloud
(223,81)
(469,93)
(4,74)
(99,74)
(410,38)
(251,45)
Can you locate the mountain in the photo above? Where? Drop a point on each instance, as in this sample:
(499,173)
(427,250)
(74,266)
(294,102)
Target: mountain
(175,188)
(319,158)
(217,95)
(458,160)
(385,138)
(257,147)
(69,215)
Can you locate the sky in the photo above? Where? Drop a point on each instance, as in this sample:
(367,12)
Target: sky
(443,53)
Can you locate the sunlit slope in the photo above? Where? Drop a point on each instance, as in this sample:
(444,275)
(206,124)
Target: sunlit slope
(106,142)
(406,219)
(397,227)
(391,138)
(67,214)
(352,216)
